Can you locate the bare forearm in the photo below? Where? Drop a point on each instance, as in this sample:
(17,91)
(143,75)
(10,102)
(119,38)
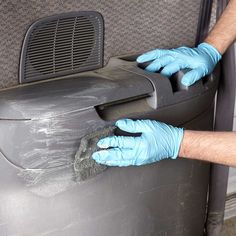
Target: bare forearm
(217,147)
(224,32)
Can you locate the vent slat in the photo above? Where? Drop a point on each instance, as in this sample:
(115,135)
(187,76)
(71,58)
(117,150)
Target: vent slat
(76,44)
(83,42)
(79,40)
(62,60)
(46,27)
(84,31)
(50,70)
(83,26)
(52,66)
(75,69)
(49,33)
(76,30)
(78,51)
(78,19)
(36,37)
(45,61)
(38,52)
(41,48)
(62,63)
(48,36)
(83,20)
(42,44)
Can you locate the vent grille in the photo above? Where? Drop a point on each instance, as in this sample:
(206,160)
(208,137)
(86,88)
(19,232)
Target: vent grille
(62,45)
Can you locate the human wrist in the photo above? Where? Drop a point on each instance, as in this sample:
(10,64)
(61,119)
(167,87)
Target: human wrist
(190,144)
(183,150)
(219,46)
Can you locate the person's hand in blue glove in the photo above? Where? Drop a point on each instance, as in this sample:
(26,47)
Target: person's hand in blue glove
(201,60)
(158,141)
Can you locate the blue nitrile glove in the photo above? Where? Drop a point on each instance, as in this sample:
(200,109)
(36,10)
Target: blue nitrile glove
(201,60)
(158,141)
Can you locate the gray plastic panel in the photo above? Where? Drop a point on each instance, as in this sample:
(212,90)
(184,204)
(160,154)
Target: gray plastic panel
(45,122)
(59,97)
(121,201)
(117,82)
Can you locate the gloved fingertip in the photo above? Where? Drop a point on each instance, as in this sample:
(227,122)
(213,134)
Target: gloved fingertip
(192,76)
(145,57)
(141,59)
(118,122)
(103,143)
(186,82)
(100,156)
(150,68)
(166,73)
(189,78)
(121,122)
(148,56)
(95,156)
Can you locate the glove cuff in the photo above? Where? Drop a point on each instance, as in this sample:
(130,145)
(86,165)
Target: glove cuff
(179,138)
(211,50)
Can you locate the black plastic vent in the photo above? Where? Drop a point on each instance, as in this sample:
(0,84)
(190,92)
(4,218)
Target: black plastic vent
(62,45)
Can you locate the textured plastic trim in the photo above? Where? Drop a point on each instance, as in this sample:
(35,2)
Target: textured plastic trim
(97,47)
